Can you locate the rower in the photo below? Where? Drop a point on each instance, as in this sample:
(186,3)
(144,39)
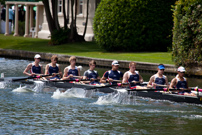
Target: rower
(180,82)
(92,74)
(114,75)
(71,71)
(35,68)
(158,80)
(133,77)
(53,68)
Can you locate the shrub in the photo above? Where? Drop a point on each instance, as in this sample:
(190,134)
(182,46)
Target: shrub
(59,36)
(187,33)
(133,25)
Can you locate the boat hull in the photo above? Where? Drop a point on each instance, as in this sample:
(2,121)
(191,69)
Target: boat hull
(148,94)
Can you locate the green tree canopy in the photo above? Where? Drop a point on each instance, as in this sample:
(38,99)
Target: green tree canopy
(187,33)
(134,25)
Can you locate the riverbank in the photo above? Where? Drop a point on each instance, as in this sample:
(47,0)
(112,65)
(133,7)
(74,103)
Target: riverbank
(85,49)
(26,48)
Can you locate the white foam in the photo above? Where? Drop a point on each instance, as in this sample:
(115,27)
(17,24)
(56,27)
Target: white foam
(22,89)
(2,85)
(39,85)
(73,92)
(119,97)
(193,117)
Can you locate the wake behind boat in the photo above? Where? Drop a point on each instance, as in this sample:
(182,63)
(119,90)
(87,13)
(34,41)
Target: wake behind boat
(149,93)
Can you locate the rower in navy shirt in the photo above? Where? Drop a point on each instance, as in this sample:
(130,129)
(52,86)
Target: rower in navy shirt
(35,68)
(133,77)
(92,74)
(53,68)
(114,75)
(180,82)
(158,79)
(71,71)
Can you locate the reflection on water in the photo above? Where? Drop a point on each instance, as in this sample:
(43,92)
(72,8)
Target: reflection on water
(75,111)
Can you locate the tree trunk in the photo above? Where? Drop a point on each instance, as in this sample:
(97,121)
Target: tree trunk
(48,16)
(86,24)
(64,14)
(67,11)
(55,13)
(72,23)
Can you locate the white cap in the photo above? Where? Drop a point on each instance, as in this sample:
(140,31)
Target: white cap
(37,56)
(115,62)
(181,69)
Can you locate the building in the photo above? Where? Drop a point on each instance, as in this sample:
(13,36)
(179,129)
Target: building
(41,30)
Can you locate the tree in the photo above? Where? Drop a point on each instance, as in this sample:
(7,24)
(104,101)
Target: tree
(187,33)
(71,33)
(133,25)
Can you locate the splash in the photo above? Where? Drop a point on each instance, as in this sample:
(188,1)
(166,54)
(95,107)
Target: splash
(22,89)
(39,86)
(121,96)
(2,85)
(73,92)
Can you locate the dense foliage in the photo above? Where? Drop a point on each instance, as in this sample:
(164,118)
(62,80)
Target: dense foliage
(134,25)
(187,33)
(59,36)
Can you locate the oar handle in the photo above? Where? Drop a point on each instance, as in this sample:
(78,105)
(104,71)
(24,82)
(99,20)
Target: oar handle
(76,80)
(161,85)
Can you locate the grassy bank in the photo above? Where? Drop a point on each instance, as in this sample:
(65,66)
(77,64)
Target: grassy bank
(88,49)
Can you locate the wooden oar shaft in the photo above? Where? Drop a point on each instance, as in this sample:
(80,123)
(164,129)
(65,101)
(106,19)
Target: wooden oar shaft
(30,77)
(161,85)
(164,89)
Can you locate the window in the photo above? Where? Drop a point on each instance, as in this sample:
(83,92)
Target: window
(80,6)
(59,6)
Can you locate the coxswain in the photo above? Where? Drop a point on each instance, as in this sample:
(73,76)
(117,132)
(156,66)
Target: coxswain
(181,83)
(53,69)
(158,80)
(133,77)
(92,74)
(35,68)
(71,72)
(112,76)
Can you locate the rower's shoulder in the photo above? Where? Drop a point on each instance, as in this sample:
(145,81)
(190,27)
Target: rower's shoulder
(30,64)
(47,65)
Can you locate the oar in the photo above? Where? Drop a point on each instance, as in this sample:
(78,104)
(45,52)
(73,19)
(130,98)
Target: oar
(161,85)
(196,89)
(30,77)
(164,89)
(118,84)
(76,80)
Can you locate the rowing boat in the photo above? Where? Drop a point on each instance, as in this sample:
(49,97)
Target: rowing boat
(141,93)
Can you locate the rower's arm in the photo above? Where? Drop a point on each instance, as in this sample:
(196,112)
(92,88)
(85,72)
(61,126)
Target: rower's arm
(79,74)
(41,69)
(104,77)
(188,86)
(60,72)
(166,79)
(173,83)
(65,77)
(141,79)
(29,66)
(46,69)
(103,80)
(151,80)
(125,78)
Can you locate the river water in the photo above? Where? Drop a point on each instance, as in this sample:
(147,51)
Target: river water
(30,110)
